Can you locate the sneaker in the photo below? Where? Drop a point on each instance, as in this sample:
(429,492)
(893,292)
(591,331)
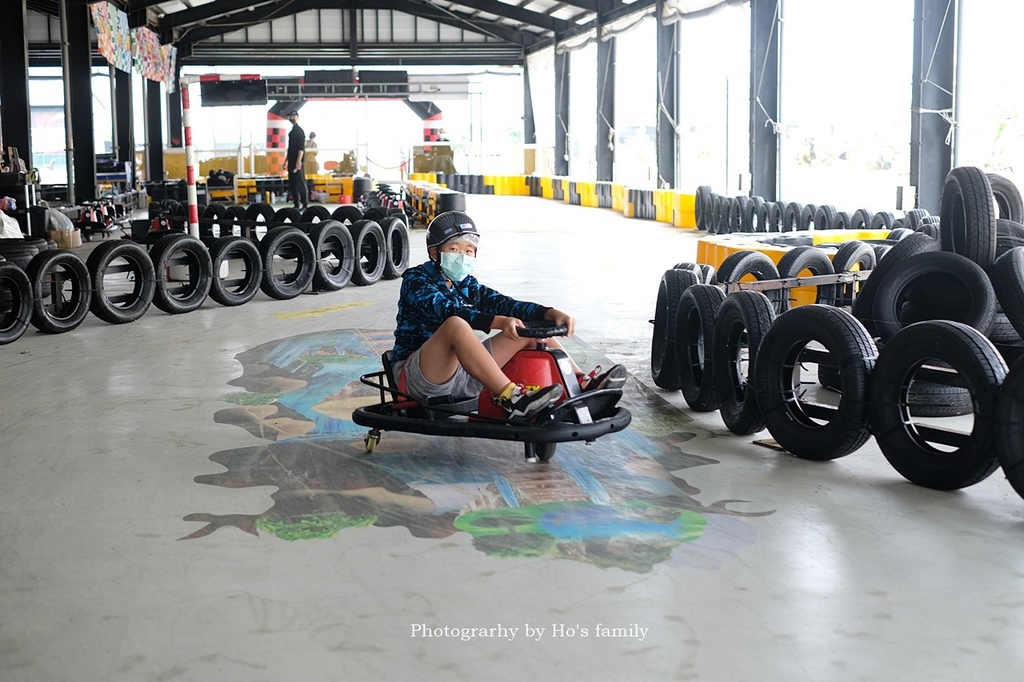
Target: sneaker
(524,404)
(615,377)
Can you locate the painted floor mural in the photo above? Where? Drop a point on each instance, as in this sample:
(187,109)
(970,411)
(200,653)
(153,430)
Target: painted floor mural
(619,502)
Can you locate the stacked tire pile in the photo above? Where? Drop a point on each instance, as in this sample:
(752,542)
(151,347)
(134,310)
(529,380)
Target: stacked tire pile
(717,214)
(926,356)
(242,250)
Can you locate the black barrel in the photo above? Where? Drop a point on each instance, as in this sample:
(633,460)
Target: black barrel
(361,187)
(451,201)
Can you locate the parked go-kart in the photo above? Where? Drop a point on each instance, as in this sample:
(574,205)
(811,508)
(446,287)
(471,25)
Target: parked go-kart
(578,415)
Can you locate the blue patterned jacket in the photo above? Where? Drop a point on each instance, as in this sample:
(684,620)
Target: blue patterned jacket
(426,302)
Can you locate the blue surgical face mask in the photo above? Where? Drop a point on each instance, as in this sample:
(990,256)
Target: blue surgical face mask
(456,266)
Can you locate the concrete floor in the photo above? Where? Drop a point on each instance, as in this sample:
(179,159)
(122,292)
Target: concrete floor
(184,498)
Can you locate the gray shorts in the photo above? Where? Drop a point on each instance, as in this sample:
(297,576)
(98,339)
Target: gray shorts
(459,386)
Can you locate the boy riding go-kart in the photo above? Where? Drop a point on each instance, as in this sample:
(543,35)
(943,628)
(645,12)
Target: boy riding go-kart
(515,385)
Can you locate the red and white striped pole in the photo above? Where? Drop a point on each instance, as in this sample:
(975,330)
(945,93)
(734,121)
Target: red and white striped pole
(190,160)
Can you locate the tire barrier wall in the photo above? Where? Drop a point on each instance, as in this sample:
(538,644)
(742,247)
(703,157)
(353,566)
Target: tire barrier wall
(242,250)
(669,206)
(933,332)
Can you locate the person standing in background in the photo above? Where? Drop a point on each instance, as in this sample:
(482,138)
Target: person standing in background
(311,164)
(296,163)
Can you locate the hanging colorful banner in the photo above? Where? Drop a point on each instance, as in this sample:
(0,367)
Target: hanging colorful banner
(146,48)
(112,35)
(169,56)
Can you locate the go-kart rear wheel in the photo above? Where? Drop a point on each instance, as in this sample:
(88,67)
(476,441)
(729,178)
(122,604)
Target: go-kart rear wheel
(540,452)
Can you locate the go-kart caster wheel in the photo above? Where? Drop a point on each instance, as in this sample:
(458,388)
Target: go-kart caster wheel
(540,452)
(371,440)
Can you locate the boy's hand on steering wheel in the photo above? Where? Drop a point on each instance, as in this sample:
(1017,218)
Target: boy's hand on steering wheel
(559,318)
(507,325)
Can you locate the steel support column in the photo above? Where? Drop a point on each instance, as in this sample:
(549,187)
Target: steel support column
(529,123)
(78,71)
(764,98)
(175,131)
(123,116)
(667,139)
(15,114)
(154,132)
(931,135)
(605,107)
(561,112)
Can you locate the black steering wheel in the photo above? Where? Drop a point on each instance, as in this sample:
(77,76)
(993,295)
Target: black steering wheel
(542,329)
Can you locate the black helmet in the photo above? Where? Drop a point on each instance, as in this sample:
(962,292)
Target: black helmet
(448,225)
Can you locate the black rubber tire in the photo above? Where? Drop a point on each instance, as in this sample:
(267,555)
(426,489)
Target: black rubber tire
(750,214)
(863,306)
(663,355)
(1003,330)
(930,229)
(883,220)
(708,274)
(842,221)
(721,215)
(824,217)
(126,307)
(899,233)
(915,217)
(744,317)
(15,302)
(260,214)
(980,369)
(181,249)
(217,224)
(213,211)
(711,214)
(61,291)
(735,216)
(370,251)
(396,240)
(287,214)
(695,324)
(1009,203)
(701,203)
(1007,277)
(776,211)
(336,255)
(1009,235)
(314,214)
(853,256)
(234,291)
(379,213)
(810,258)
(1009,430)
(791,217)
(692,267)
(933,286)
(179,214)
(232,216)
(288,243)
(21,251)
(808,430)
(738,265)
(924,399)
(347,213)
(861,219)
(807,217)
(968,216)
(763,217)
